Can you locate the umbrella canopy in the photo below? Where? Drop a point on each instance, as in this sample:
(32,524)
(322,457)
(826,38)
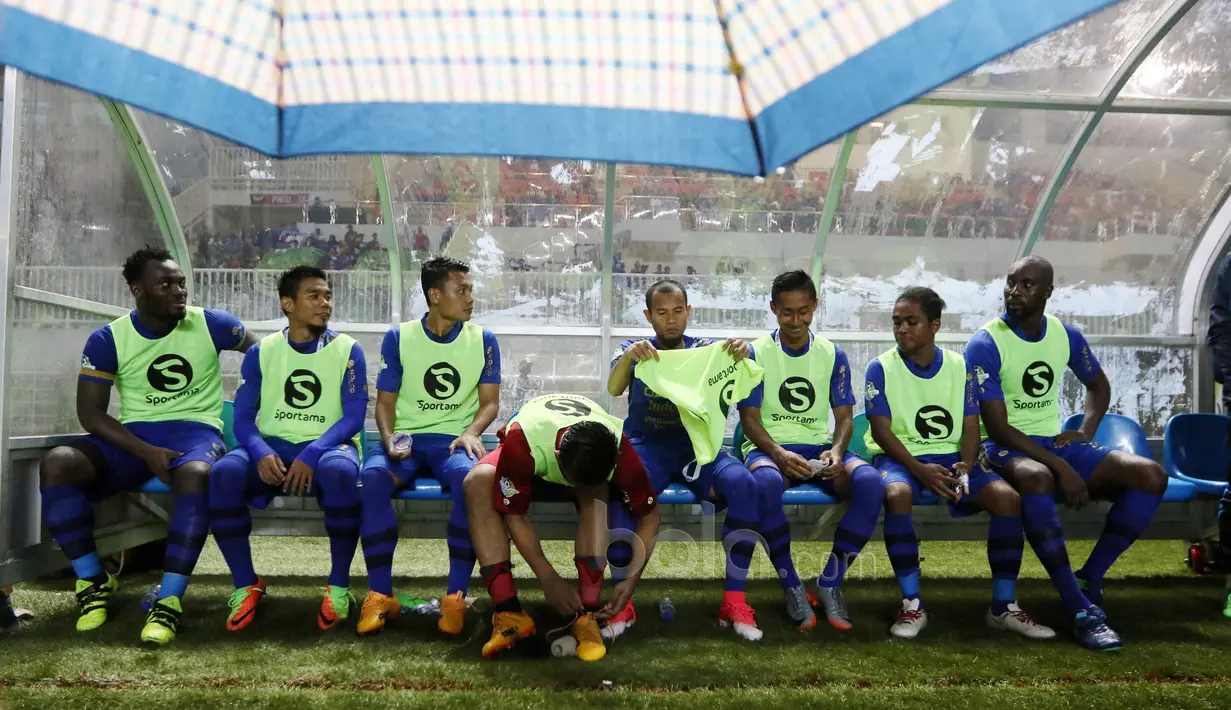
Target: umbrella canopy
(740,86)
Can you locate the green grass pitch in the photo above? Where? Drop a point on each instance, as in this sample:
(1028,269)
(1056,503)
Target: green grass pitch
(1177,645)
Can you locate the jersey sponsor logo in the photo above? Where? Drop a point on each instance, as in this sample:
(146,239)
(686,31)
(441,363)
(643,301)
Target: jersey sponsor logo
(934,423)
(1038,379)
(302,389)
(981,374)
(441,380)
(726,397)
(507,489)
(169,373)
(870,392)
(383,365)
(283,415)
(86,364)
(567,407)
(806,421)
(797,395)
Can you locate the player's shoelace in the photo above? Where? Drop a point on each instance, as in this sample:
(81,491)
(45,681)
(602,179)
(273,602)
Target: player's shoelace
(92,599)
(742,614)
(1023,617)
(910,616)
(164,616)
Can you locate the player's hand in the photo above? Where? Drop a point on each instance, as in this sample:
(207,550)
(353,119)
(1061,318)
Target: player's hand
(158,460)
(736,347)
(620,594)
(939,480)
(1076,495)
(793,466)
(831,462)
(298,479)
(469,443)
(1069,436)
(641,351)
(393,455)
(271,470)
(562,596)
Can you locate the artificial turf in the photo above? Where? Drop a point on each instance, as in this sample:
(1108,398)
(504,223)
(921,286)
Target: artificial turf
(1176,642)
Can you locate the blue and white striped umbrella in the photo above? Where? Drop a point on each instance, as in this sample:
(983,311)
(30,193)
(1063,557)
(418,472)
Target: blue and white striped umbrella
(739,86)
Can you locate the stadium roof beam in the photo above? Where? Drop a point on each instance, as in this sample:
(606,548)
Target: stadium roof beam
(607,293)
(389,234)
(129,131)
(1200,271)
(10,162)
(830,208)
(1124,72)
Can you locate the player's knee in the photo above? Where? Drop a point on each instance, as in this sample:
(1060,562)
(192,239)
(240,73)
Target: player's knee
(1151,478)
(867,485)
(64,465)
(478,483)
(192,477)
(1033,478)
(739,484)
(898,498)
(769,482)
(1001,500)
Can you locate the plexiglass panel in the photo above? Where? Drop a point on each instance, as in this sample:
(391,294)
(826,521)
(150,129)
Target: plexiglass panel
(1077,60)
(531,366)
(247,217)
(1129,215)
(1191,62)
(81,209)
(531,230)
(724,237)
(936,196)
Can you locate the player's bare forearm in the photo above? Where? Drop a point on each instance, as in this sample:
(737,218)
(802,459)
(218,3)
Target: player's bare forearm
(386,414)
(489,407)
(647,533)
(996,419)
(750,420)
(526,540)
(621,374)
(92,401)
(1098,399)
(884,437)
(970,441)
(844,428)
(249,340)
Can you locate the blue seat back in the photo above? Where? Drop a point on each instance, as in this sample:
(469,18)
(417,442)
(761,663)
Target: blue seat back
(856,447)
(1196,446)
(1116,431)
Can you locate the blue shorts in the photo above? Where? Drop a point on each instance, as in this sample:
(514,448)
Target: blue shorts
(667,461)
(808,451)
(258,493)
(117,470)
(428,454)
(1083,456)
(893,471)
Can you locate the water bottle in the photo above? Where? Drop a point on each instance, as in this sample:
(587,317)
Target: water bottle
(401,442)
(147,601)
(666,609)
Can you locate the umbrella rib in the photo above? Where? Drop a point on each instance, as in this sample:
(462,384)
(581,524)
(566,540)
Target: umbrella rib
(737,71)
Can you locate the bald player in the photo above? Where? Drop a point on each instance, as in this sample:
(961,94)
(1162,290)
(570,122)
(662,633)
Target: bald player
(1018,360)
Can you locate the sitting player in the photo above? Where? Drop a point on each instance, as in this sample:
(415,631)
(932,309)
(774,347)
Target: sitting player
(301,403)
(788,427)
(926,446)
(163,357)
(1018,360)
(570,441)
(440,382)
(654,427)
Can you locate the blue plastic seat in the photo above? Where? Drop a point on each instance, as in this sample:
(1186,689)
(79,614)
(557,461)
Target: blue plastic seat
(1195,451)
(1116,431)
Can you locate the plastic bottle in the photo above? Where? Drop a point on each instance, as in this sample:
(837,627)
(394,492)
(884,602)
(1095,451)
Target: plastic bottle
(150,598)
(666,609)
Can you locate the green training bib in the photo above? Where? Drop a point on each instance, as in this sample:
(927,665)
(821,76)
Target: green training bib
(440,381)
(925,414)
(1030,375)
(301,395)
(172,378)
(795,405)
(542,418)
